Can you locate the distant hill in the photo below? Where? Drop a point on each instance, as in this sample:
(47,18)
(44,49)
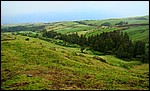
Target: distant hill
(137,27)
(30,61)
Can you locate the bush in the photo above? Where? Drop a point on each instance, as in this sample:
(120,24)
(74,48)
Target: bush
(82,49)
(27,39)
(106,24)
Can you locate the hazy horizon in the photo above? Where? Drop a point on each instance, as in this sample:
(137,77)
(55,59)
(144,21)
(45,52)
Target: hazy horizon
(14,12)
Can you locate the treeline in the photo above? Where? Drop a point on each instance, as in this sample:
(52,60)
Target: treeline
(122,23)
(23,28)
(116,43)
(103,24)
(81,22)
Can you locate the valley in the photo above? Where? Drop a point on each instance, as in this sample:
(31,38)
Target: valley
(31,61)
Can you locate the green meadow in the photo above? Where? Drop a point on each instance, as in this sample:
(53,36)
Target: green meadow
(42,63)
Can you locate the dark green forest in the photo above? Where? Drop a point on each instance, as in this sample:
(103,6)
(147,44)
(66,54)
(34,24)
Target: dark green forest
(116,43)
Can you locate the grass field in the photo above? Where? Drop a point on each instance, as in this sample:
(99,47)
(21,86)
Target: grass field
(40,65)
(139,33)
(73,30)
(135,32)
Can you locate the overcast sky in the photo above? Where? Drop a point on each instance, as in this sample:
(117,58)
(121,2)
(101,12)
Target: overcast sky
(49,11)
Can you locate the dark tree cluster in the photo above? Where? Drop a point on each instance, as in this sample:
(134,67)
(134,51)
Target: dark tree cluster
(22,28)
(50,34)
(71,38)
(80,22)
(27,39)
(116,43)
(121,23)
(119,44)
(106,24)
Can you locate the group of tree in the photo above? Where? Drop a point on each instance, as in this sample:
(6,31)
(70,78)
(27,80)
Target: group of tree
(106,24)
(73,38)
(115,42)
(23,28)
(81,22)
(119,44)
(122,23)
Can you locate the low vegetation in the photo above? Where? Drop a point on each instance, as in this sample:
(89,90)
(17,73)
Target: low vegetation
(110,54)
(40,65)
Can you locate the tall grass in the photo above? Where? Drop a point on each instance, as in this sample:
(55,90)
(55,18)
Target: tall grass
(55,67)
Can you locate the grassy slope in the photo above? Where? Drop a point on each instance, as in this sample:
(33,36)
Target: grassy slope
(139,33)
(57,67)
(136,33)
(130,20)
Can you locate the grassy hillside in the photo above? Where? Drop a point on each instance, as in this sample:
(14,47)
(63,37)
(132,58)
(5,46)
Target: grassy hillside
(40,65)
(138,33)
(113,21)
(89,27)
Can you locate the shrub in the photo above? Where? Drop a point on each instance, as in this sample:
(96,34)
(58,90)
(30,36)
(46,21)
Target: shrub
(82,49)
(27,39)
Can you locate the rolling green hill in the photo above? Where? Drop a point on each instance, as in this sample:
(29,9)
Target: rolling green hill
(36,64)
(40,65)
(135,27)
(138,33)
(93,27)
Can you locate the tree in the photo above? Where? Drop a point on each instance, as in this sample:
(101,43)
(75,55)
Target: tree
(126,23)
(126,37)
(121,23)
(145,57)
(82,40)
(27,39)
(96,45)
(120,51)
(108,45)
(139,48)
(106,24)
